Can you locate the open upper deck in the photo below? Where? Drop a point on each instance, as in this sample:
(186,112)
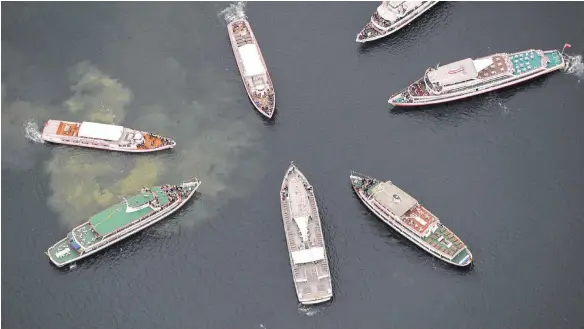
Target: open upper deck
(118,216)
(419,219)
(63,128)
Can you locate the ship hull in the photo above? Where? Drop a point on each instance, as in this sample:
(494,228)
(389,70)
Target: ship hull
(402,23)
(408,235)
(269,114)
(122,235)
(287,221)
(86,144)
(479,90)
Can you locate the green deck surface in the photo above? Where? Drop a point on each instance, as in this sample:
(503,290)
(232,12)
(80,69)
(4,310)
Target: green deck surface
(555,58)
(448,236)
(60,246)
(525,61)
(460,256)
(112,218)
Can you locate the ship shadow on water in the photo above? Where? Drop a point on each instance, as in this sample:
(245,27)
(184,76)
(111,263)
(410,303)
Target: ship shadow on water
(405,36)
(385,231)
(130,245)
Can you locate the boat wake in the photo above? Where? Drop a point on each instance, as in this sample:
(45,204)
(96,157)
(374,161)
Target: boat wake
(234,12)
(308,310)
(32,132)
(575,67)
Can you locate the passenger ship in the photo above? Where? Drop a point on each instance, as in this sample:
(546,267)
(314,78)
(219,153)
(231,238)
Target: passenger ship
(252,67)
(391,16)
(306,245)
(404,214)
(104,136)
(121,221)
(470,77)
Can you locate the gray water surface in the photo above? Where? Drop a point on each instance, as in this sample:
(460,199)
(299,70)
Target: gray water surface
(504,170)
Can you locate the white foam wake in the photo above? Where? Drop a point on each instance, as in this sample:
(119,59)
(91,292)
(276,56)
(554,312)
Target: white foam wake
(32,132)
(575,67)
(308,310)
(234,12)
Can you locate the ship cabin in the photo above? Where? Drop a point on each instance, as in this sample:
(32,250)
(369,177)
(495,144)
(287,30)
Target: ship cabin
(393,200)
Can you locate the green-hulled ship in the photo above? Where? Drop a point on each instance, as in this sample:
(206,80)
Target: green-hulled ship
(121,220)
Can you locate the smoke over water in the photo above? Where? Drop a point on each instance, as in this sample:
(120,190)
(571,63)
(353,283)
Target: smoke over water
(214,143)
(234,12)
(576,66)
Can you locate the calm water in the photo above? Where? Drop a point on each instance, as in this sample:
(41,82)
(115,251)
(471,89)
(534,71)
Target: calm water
(504,170)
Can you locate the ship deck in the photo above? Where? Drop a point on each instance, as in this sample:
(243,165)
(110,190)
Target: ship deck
(526,61)
(115,217)
(86,235)
(445,241)
(418,219)
(151,142)
(61,246)
(500,66)
(312,278)
(68,129)
(554,58)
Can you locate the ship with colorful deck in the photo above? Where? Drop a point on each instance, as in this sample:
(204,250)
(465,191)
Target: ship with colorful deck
(404,214)
(121,221)
(470,77)
(104,136)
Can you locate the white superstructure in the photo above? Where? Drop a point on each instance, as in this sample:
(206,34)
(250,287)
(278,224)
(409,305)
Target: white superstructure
(100,131)
(251,60)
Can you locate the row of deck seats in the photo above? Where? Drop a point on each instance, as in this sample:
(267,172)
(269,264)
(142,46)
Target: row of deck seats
(243,39)
(456,243)
(524,62)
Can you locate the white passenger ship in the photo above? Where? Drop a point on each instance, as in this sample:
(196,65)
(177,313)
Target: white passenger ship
(391,16)
(306,245)
(470,77)
(404,214)
(104,136)
(252,67)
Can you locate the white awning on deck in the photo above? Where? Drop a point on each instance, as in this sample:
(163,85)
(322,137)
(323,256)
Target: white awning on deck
(100,131)
(453,73)
(252,62)
(308,255)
